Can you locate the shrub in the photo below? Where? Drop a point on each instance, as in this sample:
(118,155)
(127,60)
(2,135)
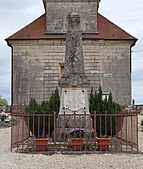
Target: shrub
(36,123)
(104,106)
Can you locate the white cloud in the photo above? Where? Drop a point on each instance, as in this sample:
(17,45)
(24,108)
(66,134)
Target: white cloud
(125,13)
(15,14)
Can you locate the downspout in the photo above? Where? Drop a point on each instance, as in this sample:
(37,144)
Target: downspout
(11,75)
(133,44)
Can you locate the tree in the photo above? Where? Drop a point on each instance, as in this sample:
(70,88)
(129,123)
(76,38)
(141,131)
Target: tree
(3,102)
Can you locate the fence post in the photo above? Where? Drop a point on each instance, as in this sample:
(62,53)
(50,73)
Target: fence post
(12,119)
(54,128)
(95,127)
(137,131)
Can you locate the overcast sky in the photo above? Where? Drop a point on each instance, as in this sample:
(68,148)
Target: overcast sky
(127,14)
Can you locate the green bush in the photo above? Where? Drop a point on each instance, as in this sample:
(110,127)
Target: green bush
(104,106)
(36,123)
(96,103)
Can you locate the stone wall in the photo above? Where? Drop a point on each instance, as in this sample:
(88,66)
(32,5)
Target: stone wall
(108,63)
(57,11)
(36,67)
(28,61)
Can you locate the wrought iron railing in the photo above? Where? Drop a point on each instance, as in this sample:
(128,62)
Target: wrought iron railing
(61,129)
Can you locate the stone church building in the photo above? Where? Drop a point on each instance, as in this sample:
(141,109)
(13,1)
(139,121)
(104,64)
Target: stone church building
(38,52)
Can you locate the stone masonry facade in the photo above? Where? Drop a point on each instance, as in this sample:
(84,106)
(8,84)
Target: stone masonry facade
(57,11)
(37,67)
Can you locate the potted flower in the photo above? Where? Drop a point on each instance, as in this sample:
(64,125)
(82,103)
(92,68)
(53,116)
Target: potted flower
(103,142)
(40,119)
(41,141)
(38,123)
(77,139)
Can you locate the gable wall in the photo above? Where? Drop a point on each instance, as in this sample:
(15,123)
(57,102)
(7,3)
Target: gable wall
(36,67)
(57,12)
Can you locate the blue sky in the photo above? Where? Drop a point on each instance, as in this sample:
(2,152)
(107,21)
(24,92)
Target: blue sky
(127,14)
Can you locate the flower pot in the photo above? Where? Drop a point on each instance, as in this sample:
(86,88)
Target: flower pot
(41,144)
(77,144)
(103,144)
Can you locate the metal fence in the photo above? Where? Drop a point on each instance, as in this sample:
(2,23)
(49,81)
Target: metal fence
(62,129)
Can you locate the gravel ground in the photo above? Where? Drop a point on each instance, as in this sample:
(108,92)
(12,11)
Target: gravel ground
(12,160)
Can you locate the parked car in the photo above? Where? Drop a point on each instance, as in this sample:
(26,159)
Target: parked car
(2,120)
(8,121)
(141,113)
(2,117)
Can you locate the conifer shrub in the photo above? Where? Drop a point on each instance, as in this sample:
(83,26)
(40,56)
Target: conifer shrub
(105,106)
(97,103)
(36,123)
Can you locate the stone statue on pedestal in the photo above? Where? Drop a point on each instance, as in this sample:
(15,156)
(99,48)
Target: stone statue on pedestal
(74,82)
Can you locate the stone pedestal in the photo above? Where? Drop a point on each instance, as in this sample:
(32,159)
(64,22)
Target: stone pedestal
(74,109)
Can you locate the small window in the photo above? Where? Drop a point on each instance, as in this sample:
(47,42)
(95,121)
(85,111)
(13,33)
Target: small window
(61,69)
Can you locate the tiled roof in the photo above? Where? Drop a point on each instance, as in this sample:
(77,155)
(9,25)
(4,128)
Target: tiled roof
(37,29)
